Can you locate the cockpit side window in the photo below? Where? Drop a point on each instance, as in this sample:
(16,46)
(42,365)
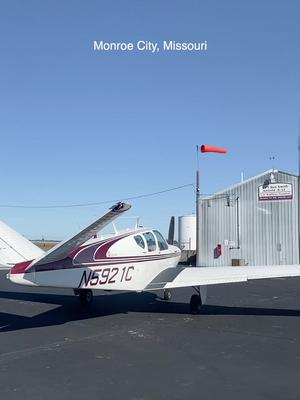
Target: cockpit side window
(162,244)
(139,241)
(150,239)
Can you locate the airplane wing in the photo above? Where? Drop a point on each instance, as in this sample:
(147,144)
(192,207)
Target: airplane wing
(198,276)
(62,250)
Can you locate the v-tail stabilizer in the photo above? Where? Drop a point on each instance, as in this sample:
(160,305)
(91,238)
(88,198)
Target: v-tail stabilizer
(62,250)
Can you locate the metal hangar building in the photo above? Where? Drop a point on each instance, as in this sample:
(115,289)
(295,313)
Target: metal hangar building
(254,222)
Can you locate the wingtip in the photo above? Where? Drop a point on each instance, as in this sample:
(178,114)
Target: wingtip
(120,207)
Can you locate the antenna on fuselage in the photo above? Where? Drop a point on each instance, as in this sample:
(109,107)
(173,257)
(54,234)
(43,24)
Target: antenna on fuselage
(137,223)
(115,228)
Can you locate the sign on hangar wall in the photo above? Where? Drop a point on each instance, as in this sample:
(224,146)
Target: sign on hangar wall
(275,191)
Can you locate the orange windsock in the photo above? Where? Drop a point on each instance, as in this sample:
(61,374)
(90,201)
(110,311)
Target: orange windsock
(205,148)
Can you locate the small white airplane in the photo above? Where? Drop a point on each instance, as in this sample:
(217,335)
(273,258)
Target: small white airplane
(138,260)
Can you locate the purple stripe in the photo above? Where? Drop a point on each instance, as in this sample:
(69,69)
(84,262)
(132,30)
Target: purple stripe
(67,265)
(126,260)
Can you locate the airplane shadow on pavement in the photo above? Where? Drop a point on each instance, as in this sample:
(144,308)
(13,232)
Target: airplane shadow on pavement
(69,308)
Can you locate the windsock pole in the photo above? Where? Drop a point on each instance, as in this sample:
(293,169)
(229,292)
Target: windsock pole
(198,216)
(204,149)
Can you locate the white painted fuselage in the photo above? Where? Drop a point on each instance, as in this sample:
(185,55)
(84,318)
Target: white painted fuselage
(128,262)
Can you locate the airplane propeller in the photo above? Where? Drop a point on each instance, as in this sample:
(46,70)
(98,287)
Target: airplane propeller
(171,231)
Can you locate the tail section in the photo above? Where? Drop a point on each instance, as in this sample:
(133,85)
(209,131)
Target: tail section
(15,248)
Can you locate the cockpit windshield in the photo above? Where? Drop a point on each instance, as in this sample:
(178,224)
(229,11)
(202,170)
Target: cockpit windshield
(162,244)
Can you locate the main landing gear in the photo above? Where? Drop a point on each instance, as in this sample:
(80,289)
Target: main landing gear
(196,302)
(85,296)
(167,294)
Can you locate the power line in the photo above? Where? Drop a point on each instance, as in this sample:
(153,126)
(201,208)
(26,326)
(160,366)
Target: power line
(99,202)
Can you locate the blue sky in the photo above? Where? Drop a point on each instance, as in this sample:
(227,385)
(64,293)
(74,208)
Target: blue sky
(81,126)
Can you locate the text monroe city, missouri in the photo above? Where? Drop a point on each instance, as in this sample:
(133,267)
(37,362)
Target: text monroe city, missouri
(151,47)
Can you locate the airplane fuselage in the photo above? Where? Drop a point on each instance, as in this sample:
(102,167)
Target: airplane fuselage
(125,262)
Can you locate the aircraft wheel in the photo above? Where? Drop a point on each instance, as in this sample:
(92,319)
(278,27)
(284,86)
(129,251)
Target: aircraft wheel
(195,304)
(85,297)
(167,294)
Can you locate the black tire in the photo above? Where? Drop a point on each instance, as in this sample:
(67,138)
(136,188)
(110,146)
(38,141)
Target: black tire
(85,297)
(195,304)
(167,294)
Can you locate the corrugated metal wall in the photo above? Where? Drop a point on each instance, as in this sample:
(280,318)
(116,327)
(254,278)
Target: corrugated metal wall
(268,230)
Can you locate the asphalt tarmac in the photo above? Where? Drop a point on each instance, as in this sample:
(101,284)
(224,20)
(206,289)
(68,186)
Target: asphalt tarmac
(245,344)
